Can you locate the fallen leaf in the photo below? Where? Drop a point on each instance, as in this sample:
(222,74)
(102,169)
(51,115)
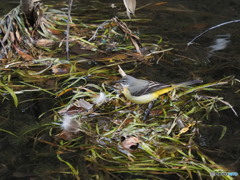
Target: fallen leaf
(65,91)
(61,68)
(44,42)
(18,36)
(185,129)
(160,3)
(130,143)
(12,37)
(65,135)
(130,6)
(24,55)
(118,57)
(56,31)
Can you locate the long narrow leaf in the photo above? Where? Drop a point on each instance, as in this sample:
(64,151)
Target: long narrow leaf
(11,92)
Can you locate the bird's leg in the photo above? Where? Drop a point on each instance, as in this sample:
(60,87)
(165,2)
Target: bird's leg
(147,112)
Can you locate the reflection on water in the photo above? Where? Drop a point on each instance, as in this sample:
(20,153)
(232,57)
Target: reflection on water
(220,43)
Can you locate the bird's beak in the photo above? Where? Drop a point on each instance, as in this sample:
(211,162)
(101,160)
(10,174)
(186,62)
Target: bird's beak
(117,85)
(116,82)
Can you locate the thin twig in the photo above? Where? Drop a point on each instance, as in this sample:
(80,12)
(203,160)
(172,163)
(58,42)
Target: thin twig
(211,28)
(220,99)
(99,27)
(10,16)
(4,49)
(68,27)
(121,71)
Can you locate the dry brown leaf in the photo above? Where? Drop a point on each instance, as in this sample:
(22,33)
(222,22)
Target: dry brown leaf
(114,58)
(130,143)
(44,42)
(160,3)
(185,129)
(130,6)
(65,135)
(12,37)
(65,91)
(18,36)
(61,68)
(55,31)
(24,55)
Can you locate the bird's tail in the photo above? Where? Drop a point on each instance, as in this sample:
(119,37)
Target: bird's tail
(174,86)
(188,83)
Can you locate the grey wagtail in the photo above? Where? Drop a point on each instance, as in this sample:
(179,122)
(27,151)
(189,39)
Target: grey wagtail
(141,91)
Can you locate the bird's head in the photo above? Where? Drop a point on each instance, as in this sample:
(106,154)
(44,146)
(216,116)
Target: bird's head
(126,81)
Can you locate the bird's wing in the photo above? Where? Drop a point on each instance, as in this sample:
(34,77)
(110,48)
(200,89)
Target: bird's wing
(151,87)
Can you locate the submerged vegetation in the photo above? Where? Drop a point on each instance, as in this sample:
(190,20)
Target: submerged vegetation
(64,119)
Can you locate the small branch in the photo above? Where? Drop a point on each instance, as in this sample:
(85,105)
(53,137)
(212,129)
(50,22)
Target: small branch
(121,71)
(222,101)
(68,28)
(134,38)
(99,27)
(10,16)
(4,49)
(211,28)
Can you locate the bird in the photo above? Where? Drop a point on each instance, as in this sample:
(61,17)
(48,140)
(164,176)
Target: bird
(130,7)
(141,91)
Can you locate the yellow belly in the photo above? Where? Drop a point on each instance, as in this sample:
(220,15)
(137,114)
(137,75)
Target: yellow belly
(139,99)
(146,98)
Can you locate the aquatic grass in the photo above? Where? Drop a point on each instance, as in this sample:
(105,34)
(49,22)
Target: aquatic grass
(31,129)
(6,131)
(74,171)
(160,152)
(151,36)
(190,167)
(68,84)
(38,88)
(11,92)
